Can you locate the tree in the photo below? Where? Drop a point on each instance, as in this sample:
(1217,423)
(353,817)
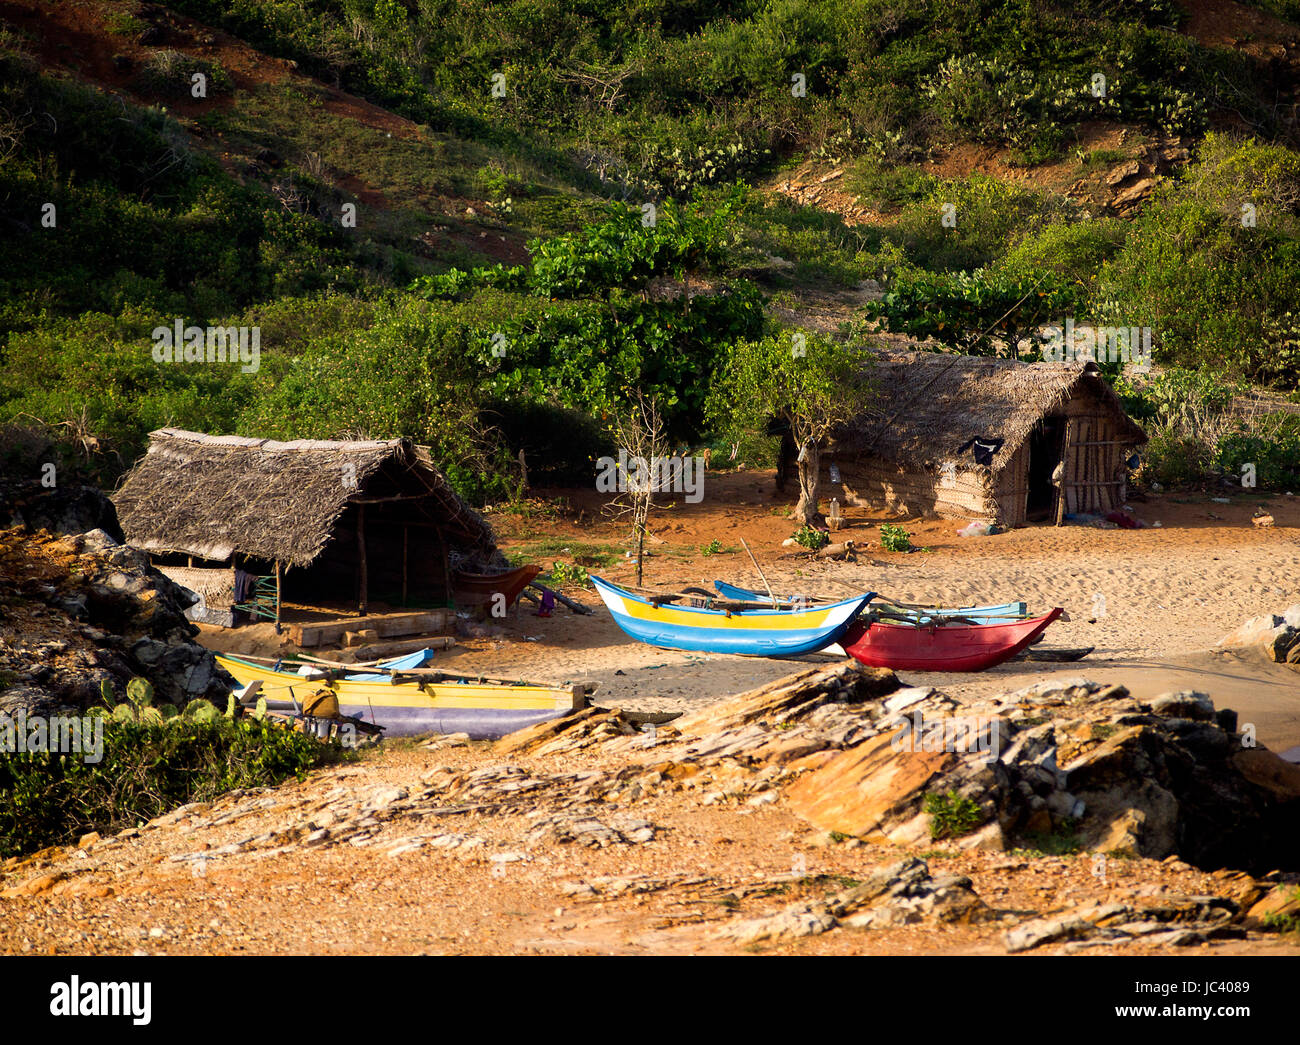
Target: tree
(973,312)
(807,381)
(640,436)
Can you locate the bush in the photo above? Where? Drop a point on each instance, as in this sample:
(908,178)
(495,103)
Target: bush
(895,539)
(1272,445)
(952,815)
(146,770)
(811,538)
(170,74)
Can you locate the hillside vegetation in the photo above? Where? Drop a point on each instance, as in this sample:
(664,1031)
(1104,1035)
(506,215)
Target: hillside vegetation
(486,227)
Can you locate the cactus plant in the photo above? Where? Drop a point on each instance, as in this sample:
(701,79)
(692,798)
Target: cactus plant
(106,693)
(124,713)
(259,712)
(140,692)
(205,712)
(232,706)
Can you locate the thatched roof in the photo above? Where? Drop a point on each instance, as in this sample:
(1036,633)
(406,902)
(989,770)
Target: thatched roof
(212,496)
(926,405)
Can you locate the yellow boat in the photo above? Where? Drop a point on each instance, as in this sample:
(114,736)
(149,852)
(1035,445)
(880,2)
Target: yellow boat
(407,705)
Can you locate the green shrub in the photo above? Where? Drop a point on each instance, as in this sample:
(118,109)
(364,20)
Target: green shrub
(895,539)
(147,769)
(952,815)
(1272,446)
(811,538)
(170,74)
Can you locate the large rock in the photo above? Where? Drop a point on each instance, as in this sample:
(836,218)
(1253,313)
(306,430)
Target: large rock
(1116,774)
(91,611)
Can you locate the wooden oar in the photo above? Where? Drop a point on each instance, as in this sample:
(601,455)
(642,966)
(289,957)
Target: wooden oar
(761,574)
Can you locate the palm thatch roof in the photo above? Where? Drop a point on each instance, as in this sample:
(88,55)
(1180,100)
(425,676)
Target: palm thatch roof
(927,405)
(212,496)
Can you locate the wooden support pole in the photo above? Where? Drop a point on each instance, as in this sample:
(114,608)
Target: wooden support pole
(445,552)
(1066,447)
(277,596)
(363,597)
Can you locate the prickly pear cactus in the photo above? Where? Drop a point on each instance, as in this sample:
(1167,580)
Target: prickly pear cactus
(150,716)
(106,693)
(169,713)
(124,713)
(259,712)
(232,706)
(202,711)
(140,692)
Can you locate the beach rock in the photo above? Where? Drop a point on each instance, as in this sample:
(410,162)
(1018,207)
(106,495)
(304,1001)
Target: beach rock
(1184,704)
(794,922)
(1257,631)
(1283,641)
(1123,776)
(906,894)
(1278,909)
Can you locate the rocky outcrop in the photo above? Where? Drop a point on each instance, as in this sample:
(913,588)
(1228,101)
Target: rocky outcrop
(1277,636)
(900,894)
(1061,765)
(1074,763)
(84,610)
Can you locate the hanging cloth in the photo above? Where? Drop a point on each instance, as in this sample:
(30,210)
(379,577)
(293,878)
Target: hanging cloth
(984,449)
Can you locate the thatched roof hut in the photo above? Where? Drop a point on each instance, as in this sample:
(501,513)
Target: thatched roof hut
(981,438)
(346,518)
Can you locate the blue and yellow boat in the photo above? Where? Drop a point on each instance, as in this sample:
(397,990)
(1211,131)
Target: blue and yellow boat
(1002,613)
(754,629)
(408,704)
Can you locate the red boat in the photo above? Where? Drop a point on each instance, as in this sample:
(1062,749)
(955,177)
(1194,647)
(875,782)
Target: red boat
(943,646)
(479,589)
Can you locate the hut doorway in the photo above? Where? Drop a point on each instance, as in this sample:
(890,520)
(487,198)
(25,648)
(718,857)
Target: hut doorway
(1046,445)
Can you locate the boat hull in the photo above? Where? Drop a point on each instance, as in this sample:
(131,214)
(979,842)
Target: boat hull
(941,647)
(978,614)
(758,632)
(479,589)
(486,711)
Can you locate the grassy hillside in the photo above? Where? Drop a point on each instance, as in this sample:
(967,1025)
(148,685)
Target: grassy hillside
(436,212)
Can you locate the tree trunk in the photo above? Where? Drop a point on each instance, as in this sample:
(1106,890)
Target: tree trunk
(810,475)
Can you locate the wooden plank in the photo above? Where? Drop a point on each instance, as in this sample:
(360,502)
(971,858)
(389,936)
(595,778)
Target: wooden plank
(387,650)
(387,626)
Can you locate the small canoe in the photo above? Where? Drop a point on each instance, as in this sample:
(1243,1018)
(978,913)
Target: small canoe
(975,614)
(411,705)
(940,646)
(745,628)
(480,589)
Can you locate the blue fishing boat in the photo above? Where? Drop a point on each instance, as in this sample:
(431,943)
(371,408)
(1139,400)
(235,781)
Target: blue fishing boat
(1000,614)
(731,627)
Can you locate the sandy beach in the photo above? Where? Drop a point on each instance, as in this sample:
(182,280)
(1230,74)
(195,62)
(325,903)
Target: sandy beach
(1152,602)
